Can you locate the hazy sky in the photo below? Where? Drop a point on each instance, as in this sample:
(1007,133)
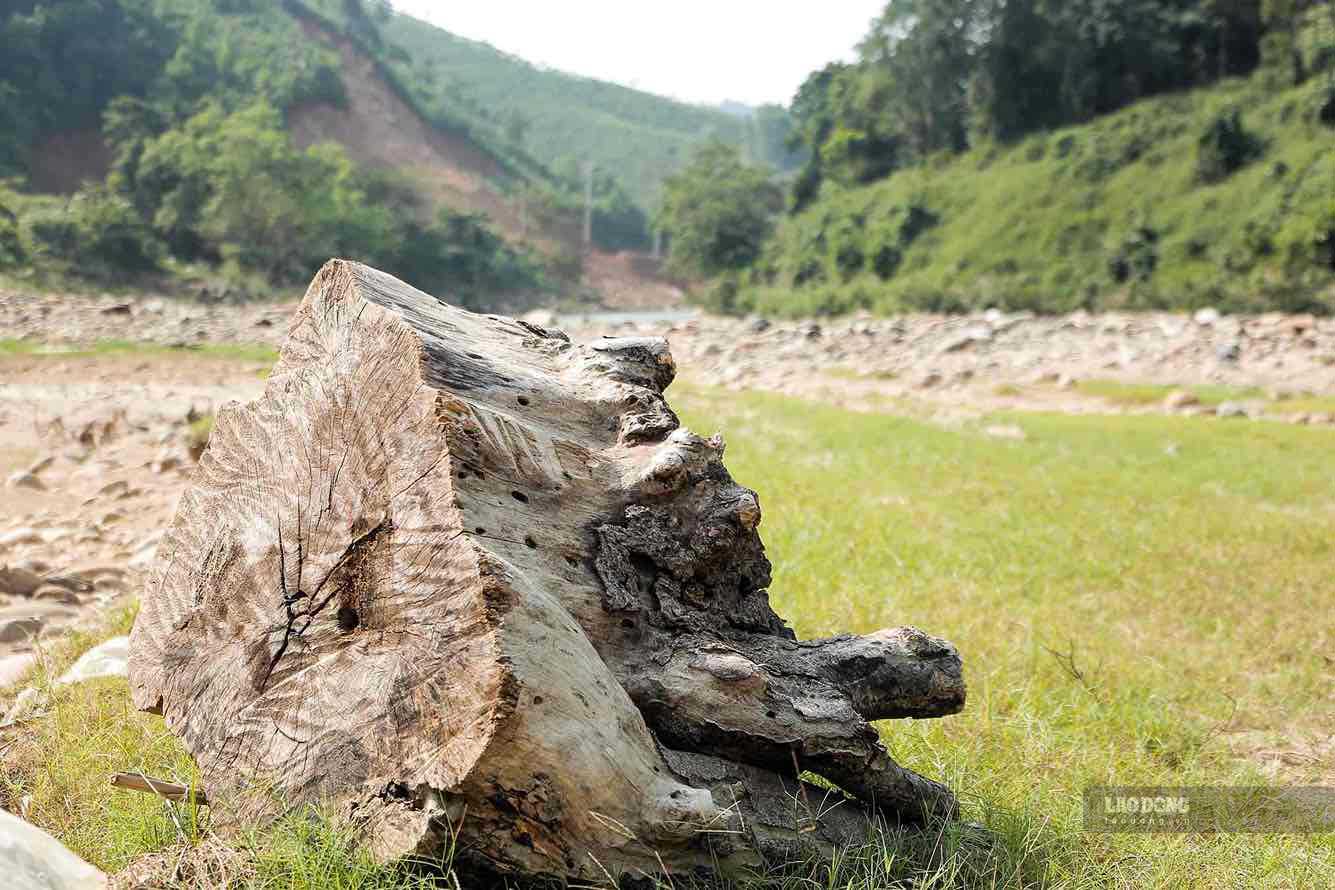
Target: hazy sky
(706,51)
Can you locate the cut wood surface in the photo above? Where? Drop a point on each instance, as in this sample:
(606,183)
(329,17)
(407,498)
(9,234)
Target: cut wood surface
(453,573)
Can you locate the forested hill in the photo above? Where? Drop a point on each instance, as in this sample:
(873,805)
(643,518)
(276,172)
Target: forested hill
(240,143)
(1051,157)
(564,120)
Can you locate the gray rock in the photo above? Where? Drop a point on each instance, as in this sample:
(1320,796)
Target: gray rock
(110,659)
(20,630)
(31,859)
(13,667)
(1231,409)
(56,594)
(758,325)
(1230,351)
(18,581)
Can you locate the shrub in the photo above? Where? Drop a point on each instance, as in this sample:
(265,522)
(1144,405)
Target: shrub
(96,234)
(1225,147)
(1326,111)
(1136,258)
(11,249)
(885,262)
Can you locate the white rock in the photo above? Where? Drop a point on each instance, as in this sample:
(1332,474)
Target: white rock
(107,660)
(12,667)
(1005,431)
(1207,316)
(31,859)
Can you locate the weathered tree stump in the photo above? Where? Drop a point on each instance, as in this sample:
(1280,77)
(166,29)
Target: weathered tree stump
(456,575)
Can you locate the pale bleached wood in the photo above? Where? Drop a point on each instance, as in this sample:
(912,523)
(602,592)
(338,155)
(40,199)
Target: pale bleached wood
(172,791)
(453,573)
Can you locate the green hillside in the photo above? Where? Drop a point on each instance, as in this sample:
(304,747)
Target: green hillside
(1113,214)
(563,120)
(1025,155)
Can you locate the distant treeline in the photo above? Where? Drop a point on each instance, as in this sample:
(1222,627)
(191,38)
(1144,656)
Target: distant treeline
(1028,153)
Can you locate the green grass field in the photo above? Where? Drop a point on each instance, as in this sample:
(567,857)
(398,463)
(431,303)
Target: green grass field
(1138,600)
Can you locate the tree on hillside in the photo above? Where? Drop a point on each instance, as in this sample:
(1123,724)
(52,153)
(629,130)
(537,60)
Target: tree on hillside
(717,212)
(61,62)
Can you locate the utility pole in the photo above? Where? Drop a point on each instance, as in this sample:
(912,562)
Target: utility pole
(588,204)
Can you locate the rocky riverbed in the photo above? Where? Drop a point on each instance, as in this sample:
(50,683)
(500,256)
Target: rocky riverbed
(986,361)
(95,442)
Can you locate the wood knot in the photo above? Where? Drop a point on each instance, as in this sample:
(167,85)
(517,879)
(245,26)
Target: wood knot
(735,670)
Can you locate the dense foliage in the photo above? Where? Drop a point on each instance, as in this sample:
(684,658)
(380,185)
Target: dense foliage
(190,97)
(978,155)
(938,75)
(719,212)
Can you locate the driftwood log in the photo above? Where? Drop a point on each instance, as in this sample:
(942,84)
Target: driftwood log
(459,577)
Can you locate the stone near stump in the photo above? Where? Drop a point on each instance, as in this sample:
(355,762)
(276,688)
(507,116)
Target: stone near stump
(452,572)
(31,859)
(107,659)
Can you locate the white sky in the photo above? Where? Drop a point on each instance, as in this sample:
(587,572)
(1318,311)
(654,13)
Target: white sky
(704,51)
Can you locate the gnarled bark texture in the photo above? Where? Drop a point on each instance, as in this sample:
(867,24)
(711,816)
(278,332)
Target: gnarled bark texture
(455,574)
